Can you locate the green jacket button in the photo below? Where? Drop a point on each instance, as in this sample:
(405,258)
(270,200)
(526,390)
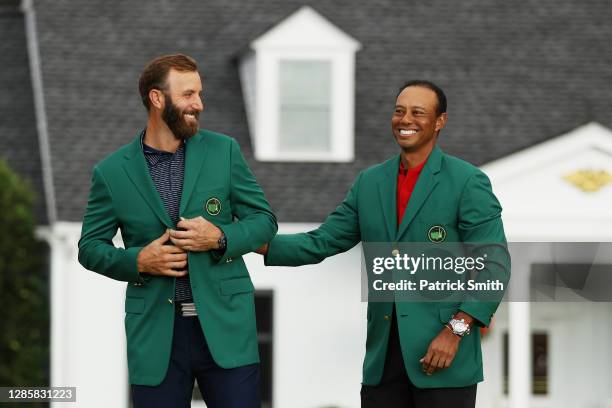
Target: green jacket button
(387,317)
(170,301)
(395,252)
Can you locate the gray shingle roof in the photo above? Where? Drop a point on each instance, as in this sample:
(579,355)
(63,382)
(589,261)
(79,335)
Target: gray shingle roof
(514,74)
(18,134)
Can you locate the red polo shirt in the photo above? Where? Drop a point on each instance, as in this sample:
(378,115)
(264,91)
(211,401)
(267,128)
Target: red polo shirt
(406,180)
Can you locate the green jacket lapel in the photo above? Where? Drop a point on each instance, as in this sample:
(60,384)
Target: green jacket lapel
(196,152)
(137,170)
(387,188)
(426,183)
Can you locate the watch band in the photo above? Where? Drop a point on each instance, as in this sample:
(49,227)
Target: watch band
(222,242)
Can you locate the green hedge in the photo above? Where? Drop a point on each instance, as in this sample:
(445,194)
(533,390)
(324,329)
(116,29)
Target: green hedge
(24,288)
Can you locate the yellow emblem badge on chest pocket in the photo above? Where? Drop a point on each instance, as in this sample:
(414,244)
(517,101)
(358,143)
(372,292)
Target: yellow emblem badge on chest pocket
(213,206)
(436,234)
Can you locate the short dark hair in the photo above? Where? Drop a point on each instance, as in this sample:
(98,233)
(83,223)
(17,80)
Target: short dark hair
(429,85)
(155,73)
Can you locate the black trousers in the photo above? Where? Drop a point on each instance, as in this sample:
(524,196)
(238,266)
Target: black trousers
(191,359)
(397,391)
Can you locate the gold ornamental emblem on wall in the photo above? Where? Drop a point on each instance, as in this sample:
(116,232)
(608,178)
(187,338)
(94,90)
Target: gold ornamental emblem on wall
(589,181)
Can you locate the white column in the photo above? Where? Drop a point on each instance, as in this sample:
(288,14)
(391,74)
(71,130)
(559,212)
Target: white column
(87,336)
(59,325)
(519,340)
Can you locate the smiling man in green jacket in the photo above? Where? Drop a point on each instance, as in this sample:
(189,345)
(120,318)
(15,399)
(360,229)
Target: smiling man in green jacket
(188,208)
(418,354)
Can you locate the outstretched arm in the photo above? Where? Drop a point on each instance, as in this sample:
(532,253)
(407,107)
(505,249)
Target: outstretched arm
(338,233)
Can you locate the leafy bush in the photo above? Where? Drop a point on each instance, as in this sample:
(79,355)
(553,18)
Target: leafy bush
(24,297)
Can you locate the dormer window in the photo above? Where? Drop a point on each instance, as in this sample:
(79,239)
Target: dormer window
(298,84)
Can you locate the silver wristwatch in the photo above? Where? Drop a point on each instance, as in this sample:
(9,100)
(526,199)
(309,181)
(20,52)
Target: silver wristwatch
(458,326)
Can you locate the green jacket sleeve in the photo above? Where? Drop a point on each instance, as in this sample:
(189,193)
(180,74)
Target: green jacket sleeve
(255,223)
(480,224)
(339,233)
(96,250)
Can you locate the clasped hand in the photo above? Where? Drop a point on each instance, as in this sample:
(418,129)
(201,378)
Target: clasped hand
(159,258)
(196,235)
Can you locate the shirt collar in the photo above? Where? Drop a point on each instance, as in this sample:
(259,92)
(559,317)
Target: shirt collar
(416,169)
(151,150)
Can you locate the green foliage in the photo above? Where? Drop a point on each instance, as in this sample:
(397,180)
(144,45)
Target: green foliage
(24,297)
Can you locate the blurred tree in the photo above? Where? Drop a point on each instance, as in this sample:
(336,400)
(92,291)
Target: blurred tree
(24,293)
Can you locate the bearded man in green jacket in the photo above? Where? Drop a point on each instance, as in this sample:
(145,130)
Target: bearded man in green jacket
(188,208)
(418,354)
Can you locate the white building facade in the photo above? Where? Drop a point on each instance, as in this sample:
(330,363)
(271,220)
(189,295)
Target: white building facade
(319,321)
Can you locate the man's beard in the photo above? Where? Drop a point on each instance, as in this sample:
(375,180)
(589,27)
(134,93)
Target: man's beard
(176,122)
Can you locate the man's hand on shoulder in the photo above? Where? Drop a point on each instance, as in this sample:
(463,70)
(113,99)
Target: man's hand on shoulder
(160,259)
(197,235)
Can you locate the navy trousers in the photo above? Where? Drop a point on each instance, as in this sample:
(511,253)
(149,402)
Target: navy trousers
(191,360)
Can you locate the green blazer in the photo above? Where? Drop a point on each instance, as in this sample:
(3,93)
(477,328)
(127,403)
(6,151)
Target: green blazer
(449,193)
(124,197)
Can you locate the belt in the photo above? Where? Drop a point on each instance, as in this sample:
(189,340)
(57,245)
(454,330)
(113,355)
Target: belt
(186,309)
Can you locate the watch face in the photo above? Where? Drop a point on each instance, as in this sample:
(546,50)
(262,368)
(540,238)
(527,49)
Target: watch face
(459,326)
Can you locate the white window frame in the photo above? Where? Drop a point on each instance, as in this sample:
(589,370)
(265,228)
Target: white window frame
(303,36)
(267,107)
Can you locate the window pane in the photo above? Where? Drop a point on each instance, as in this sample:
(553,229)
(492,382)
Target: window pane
(304,131)
(265,355)
(304,106)
(539,363)
(305,82)
(264,312)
